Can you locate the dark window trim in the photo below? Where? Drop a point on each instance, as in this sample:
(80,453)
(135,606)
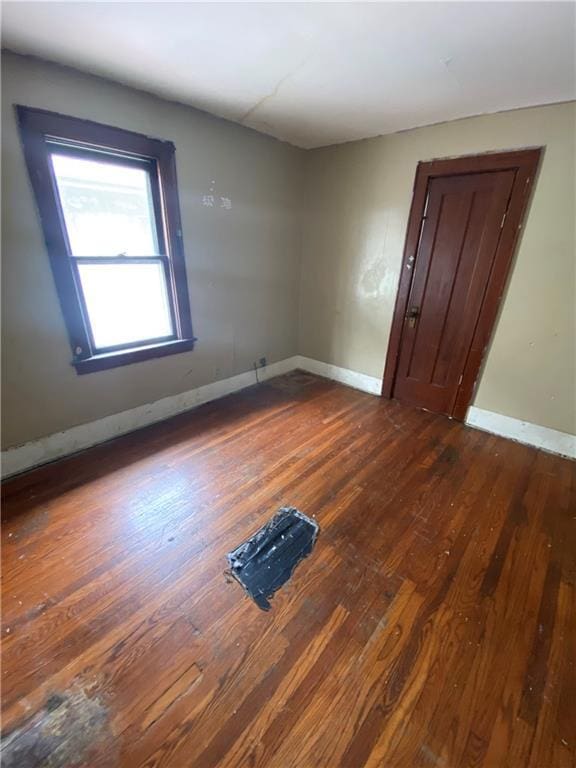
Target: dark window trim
(39,128)
(116,359)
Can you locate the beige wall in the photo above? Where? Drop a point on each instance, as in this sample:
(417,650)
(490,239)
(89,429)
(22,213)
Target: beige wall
(357,202)
(243,264)
(249,268)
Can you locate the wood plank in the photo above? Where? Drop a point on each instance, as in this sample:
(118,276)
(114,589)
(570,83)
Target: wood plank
(433,624)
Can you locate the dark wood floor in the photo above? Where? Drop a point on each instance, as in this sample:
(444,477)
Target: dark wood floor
(433,625)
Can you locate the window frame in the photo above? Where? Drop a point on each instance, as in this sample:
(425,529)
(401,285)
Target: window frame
(40,130)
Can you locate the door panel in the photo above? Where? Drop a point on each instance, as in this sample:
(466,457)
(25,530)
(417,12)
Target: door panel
(458,243)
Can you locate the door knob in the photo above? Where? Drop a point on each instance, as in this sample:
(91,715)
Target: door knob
(412,315)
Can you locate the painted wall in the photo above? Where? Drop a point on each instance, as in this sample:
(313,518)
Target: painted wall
(259,270)
(357,204)
(243,264)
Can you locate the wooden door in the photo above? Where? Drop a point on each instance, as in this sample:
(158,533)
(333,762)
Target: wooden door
(460,232)
(465,219)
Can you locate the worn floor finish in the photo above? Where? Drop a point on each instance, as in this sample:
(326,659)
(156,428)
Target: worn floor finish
(433,625)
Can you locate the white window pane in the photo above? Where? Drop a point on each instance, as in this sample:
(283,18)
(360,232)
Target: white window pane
(107,208)
(126,302)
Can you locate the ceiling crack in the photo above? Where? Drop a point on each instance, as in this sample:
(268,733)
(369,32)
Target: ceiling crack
(273,92)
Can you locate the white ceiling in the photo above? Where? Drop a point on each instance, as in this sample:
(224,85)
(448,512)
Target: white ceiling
(316,73)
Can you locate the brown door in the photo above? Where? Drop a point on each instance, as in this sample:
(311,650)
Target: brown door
(460,233)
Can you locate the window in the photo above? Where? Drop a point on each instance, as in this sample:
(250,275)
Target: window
(108,203)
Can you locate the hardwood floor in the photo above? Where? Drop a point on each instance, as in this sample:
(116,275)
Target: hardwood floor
(434,624)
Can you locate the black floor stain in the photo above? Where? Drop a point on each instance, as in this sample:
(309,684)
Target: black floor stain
(267,560)
(59,736)
(294,382)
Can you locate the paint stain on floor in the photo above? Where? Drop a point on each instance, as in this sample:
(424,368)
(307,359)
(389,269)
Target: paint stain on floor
(60,735)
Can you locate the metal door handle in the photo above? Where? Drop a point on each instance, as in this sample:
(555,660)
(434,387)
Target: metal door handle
(413,315)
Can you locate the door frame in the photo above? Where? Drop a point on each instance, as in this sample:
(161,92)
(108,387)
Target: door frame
(526,163)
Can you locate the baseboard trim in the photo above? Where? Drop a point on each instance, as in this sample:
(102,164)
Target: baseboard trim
(56,446)
(547,439)
(354,379)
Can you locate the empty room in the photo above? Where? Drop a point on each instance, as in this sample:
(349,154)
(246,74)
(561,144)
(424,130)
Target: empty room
(288,385)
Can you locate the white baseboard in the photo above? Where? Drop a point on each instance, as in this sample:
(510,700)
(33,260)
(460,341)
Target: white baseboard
(45,449)
(362,381)
(52,447)
(522,431)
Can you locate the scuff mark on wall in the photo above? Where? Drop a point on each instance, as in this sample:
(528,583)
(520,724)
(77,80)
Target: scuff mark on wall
(209,199)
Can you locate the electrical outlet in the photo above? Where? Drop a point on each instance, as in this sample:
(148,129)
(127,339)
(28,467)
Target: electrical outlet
(263,362)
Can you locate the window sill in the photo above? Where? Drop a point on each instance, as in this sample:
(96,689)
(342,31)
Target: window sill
(129,356)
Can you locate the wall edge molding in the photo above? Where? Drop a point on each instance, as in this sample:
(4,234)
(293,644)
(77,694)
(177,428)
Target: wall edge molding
(354,379)
(35,453)
(78,438)
(545,438)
